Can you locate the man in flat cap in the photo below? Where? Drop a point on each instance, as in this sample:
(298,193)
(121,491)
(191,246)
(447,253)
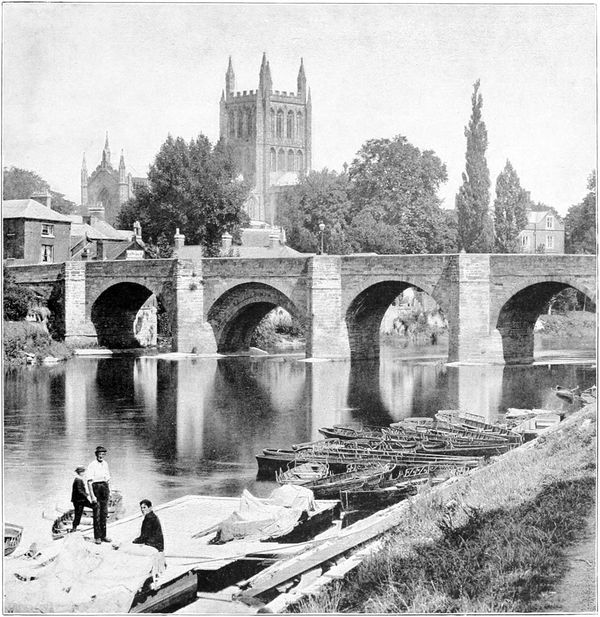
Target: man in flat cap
(79,496)
(98,479)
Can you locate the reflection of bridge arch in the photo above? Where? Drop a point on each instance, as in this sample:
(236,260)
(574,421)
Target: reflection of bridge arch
(366,310)
(517,310)
(114,311)
(235,315)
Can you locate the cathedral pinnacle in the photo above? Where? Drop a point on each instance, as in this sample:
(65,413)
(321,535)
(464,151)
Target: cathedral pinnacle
(83,164)
(230,78)
(301,78)
(106,152)
(122,161)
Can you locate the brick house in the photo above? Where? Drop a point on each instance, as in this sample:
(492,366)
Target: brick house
(34,233)
(544,233)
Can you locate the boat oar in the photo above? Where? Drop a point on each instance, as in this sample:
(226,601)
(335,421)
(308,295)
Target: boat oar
(205,532)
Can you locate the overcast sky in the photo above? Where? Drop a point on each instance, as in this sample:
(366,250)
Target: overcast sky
(71,72)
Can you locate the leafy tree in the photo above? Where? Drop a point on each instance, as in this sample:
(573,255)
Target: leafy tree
(193,187)
(319,197)
(580,223)
(22,184)
(396,208)
(16,299)
(161,250)
(510,210)
(475,233)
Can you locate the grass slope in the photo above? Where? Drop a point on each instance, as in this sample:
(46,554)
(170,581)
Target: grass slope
(494,541)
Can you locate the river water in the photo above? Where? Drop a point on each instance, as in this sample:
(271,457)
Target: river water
(175,426)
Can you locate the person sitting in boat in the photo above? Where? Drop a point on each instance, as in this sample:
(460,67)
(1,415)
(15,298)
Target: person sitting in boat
(79,496)
(151,533)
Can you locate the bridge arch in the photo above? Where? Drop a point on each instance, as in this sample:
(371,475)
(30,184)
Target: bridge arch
(115,315)
(517,311)
(366,310)
(235,315)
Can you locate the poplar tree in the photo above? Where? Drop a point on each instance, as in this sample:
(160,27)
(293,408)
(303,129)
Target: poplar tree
(510,210)
(475,232)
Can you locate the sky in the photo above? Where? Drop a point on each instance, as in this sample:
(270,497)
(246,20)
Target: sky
(72,72)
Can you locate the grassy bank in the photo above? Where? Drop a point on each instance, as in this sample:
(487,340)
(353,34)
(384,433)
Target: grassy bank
(23,340)
(496,540)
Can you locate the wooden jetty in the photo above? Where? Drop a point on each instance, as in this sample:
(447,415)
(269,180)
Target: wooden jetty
(193,563)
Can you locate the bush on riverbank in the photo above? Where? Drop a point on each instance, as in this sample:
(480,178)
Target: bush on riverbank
(493,541)
(24,339)
(571,324)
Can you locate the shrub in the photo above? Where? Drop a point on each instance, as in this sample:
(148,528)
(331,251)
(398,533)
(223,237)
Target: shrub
(17,298)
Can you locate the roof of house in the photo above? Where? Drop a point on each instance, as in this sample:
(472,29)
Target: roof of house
(31,209)
(535,218)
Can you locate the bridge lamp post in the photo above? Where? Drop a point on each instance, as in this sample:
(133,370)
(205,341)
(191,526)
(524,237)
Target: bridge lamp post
(321,230)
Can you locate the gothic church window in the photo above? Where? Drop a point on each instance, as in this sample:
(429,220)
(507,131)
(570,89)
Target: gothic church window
(231,124)
(250,123)
(280,123)
(290,161)
(281,160)
(272,122)
(273,160)
(240,129)
(299,159)
(300,125)
(290,125)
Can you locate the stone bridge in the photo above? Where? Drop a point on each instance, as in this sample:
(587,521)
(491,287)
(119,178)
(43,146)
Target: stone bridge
(491,301)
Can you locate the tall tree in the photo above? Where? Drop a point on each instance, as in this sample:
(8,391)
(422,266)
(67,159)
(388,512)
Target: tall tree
(580,222)
(22,184)
(394,196)
(510,210)
(193,187)
(475,232)
(319,197)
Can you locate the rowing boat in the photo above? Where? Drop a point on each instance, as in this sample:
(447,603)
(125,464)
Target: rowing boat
(359,477)
(12,537)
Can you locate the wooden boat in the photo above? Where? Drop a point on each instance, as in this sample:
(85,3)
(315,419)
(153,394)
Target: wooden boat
(588,395)
(571,395)
(63,524)
(344,431)
(303,473)
(359,477)
(12,537)
(452,449)
(377,497)
(472,422)
(532,427)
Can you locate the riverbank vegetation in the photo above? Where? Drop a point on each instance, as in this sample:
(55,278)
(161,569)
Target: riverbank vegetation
(494,541)
(29,342)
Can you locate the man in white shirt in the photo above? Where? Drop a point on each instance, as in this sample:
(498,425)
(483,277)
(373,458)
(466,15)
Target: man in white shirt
(98,479)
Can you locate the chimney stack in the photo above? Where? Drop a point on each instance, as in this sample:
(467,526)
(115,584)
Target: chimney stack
(226,239)
(44,197)
(179,239)
(137,230)
(100,256)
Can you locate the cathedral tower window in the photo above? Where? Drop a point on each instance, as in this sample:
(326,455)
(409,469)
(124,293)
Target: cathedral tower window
(273,160)
(290,161)
(300,125)
(281,160)
(250,123)
(299,161)
(290,125)
(231,124)
(280,123)
(272,122)
(240,128)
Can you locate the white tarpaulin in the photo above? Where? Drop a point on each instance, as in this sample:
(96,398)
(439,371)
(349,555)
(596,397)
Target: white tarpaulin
(83,578)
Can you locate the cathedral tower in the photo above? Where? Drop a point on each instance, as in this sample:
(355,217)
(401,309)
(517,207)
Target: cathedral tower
(270,132)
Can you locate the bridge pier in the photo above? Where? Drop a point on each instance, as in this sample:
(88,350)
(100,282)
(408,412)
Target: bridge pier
(78,329)
(191,333)
(471,336)
(327,336)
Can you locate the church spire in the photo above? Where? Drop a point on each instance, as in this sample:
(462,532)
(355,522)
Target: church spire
(301,79)
(106,153)
(122,173)
(264,82)
(84,175)
(230,78)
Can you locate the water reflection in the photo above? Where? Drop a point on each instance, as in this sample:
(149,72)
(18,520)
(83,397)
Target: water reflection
(195,425)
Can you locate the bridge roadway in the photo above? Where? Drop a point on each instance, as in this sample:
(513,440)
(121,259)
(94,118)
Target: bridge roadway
(491,301)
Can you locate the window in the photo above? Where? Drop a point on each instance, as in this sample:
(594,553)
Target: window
(272,122)
(250,123)
(47,230)
(300,125)
(240,128)
(47,253)
(281,160)
(280,123)
(549,222)
(549,241)
(299,160)
(290,161)
(273,160)
(290,125)
(231,124)
(525,241)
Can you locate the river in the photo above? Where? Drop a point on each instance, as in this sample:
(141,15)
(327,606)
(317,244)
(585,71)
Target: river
(175,426)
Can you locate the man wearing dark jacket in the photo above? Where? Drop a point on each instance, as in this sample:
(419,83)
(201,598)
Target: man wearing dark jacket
(151,533)
(79,496)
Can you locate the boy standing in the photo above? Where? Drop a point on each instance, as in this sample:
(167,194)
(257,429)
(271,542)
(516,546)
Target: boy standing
(98,480)
(79,496)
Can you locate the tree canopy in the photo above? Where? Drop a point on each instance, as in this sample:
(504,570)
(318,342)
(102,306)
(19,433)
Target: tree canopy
(22,184)
(580,222)
(475,233)
(193,188)
(510,210)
